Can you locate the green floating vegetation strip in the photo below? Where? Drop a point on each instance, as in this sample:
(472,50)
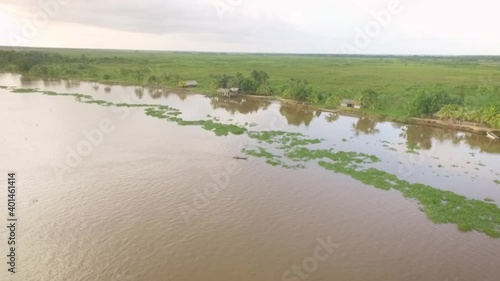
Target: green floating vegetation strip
(440,206)
(157,111)
(260,152)
(4,87)
(287,140)
(23,90)
(170,114)
(273,160)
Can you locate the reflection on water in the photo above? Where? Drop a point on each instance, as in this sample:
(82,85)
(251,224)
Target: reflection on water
(366,125)
(483,144)
(415,136)
(48,82)
(297,115)
(418,136)
(139,92)
(182,96)
(71,84)
(157,93)
(28,81)
(423,137)
(240,105)
(31,82)
(332,117)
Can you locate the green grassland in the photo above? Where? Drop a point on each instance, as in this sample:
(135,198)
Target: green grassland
(397,80)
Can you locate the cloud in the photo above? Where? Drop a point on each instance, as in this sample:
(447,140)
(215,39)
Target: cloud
(269,25)
(168,17)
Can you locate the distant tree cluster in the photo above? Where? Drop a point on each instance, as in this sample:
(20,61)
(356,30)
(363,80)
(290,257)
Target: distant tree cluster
(298,89)
(51,64)
(370,99)
(429,103)
(23,62)
(256,83)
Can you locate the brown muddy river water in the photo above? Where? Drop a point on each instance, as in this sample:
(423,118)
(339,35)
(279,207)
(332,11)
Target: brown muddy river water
(114,194)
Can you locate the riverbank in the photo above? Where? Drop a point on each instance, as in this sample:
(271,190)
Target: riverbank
(465,126)
(387,83)
(437,123)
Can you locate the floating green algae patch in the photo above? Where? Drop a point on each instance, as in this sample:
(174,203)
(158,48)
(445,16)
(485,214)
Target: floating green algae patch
(286,140)
(439,206)
(262,153)
(4,87)
(497,182)
(170,114)
(271,159)
(157,111)
(24,90)
(218,128)
(306,154)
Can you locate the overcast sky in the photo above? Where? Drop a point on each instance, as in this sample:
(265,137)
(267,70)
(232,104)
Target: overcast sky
(285,26)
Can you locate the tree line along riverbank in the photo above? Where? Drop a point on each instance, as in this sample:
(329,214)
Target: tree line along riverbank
(451,88)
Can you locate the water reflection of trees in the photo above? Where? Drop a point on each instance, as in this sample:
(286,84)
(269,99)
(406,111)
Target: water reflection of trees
(483,143)
(157,93)
(27,81)
(332,117)
(70,84)
(50,82)
(139,92)
(445,134)
(240,105)
(297,116)
(366,125)
(182,96)
(423,136)
(420,136)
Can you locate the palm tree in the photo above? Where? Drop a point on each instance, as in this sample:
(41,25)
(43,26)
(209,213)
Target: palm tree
(474,116)
(481,116)
(360,99)
(313,98)
(495,121)
(447,112)
(489,115)
(462,114)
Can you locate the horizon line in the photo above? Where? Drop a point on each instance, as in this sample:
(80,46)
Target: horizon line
(247,52)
